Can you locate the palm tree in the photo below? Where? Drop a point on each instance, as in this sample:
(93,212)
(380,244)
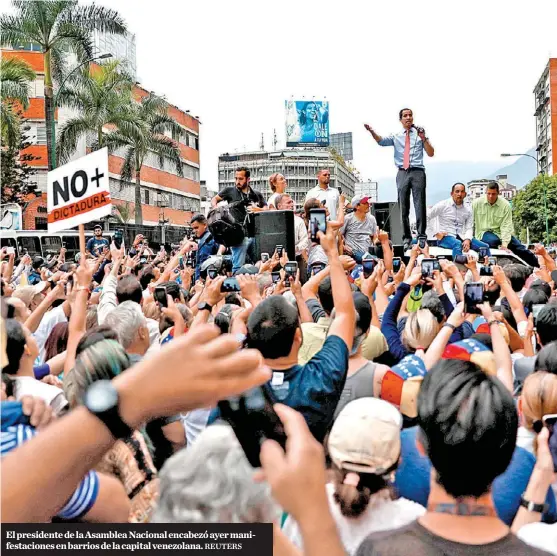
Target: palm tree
(102,97)
(58,26)
(147,135)
(123,213)
(15,75)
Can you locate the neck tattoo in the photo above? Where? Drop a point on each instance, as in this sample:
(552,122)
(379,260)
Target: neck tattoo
(463,508)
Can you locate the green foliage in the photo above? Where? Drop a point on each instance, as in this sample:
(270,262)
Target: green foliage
(16,174)
(529,212)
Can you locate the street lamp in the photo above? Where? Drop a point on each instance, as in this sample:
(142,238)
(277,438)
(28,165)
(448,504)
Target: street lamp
(55,101)
(543,185)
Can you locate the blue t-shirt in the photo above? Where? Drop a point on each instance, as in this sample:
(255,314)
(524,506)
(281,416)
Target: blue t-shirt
(313,389)
(413,476)
(96,243)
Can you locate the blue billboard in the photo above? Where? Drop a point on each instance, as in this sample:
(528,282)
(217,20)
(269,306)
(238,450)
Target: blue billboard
(307,123)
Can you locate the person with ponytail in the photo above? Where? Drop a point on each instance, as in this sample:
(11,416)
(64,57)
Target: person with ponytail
(277,183)
(364,448)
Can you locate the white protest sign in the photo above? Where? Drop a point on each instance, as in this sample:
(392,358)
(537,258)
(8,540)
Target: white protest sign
(79,192)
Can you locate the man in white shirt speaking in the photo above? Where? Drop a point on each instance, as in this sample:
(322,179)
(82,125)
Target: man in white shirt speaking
(452,223)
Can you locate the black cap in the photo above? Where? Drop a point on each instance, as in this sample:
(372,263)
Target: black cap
(38,262)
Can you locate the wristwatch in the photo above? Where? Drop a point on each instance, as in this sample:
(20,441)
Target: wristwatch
(101,399)
(204,306)
(532,506)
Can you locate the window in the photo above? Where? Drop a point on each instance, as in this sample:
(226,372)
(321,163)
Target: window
(41,134)
(41,223)
(175,134)
(146,196)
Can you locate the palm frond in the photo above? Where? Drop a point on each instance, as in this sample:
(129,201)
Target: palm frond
(166,148)
(17,30)
(96,18)
(10,127)
(70,134)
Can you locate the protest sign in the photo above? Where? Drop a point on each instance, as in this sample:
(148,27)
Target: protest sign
(79,192)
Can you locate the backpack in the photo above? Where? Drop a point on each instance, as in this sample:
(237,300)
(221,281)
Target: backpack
(224,228)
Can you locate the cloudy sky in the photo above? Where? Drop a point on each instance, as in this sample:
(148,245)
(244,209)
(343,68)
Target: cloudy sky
(468,71)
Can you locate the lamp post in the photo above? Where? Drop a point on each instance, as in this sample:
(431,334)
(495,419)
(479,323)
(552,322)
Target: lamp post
(543,186)
(55,101)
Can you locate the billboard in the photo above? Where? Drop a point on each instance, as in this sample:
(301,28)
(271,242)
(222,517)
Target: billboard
(307,123)
(342,143)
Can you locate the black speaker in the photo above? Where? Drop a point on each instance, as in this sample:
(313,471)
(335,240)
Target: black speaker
(388,219)
(272,228)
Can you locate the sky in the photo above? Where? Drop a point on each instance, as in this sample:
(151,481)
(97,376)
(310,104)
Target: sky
(467,70)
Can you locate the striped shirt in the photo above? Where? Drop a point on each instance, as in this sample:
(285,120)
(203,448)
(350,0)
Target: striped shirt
(85,494)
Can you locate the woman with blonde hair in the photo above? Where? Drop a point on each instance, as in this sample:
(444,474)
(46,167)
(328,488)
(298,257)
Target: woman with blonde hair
(277,183)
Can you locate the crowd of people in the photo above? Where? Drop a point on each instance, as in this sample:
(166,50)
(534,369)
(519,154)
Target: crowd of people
(362,403)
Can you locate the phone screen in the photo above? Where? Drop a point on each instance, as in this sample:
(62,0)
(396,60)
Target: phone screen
(316,268)
(181,262)
(422,242)
(428,266)
(290,269)
(536,308)
(160,296)
(317,222)
(492,260)
(396,264)
(368,264)
(264,257)
(212,273)
(482,253)
(230,285)
(276,277)
(118,236)
(473,296)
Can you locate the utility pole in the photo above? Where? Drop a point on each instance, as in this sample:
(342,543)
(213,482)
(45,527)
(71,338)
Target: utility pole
(262,144)
(275,139)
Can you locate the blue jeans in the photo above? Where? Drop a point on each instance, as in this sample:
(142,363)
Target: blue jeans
(455,243)
(239,253)
(514,245)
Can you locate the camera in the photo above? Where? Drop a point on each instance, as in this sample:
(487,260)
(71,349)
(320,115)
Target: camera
(227,263)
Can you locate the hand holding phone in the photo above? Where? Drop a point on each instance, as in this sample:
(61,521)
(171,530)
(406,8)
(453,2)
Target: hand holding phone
(428,266)
(230,285)
(368,264)
(290,270)
(317,223)
(160,296)
(473,296)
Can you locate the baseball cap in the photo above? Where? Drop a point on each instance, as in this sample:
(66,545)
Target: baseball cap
(365,436)
(27,293)
(97,227)
(358,199)
(38,262)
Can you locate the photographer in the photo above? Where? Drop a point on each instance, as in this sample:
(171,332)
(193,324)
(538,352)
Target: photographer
(206,244)
(242,200)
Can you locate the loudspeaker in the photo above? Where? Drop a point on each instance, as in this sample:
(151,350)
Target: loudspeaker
(388,219)
(272,228)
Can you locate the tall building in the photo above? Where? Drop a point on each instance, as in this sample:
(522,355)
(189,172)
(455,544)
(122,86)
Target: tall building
(367,188)
(164,194)
(477,188)
(545,99)
(342,143)
(299,167)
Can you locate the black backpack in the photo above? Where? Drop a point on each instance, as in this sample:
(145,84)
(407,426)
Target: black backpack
(224,228)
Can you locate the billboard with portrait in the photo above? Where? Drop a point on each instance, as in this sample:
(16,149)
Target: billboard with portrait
(307,123)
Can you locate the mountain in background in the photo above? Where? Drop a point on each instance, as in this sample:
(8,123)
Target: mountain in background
(442,175)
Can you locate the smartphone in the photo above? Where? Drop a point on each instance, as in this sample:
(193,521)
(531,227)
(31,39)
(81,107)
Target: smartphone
(536,308)
(422,240)
(316,268)
(253,420)
(143,260)
(397,262)
(160,296)
(317,223)
(492,261)
(190,260)
(473,296)
(276,277)
(428,266)
(436,265)
(117,238)
(230,285)
(290,269)
(181,262)
(212,272)
(368,264)
(279,248)
(460,259)
(10,251)
(265,257)
(486,270)
(550,422)
(482,253)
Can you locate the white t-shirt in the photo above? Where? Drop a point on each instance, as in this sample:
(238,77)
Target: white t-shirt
(380,515)
(540,535)
(272,199)
(53,396)
(329,195)
(195,423)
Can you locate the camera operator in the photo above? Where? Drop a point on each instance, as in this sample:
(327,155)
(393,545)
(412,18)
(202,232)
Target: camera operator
(242,200)
(206,244)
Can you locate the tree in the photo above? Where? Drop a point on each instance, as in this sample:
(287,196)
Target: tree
(147,135)
(15,75)
(103,97)
(529,212)
(58,27)
(16,174)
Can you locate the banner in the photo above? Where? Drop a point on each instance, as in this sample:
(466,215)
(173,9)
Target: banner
(307,123)
(79,192)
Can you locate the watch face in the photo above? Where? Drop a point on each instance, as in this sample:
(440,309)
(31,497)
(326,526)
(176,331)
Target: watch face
(101,396)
